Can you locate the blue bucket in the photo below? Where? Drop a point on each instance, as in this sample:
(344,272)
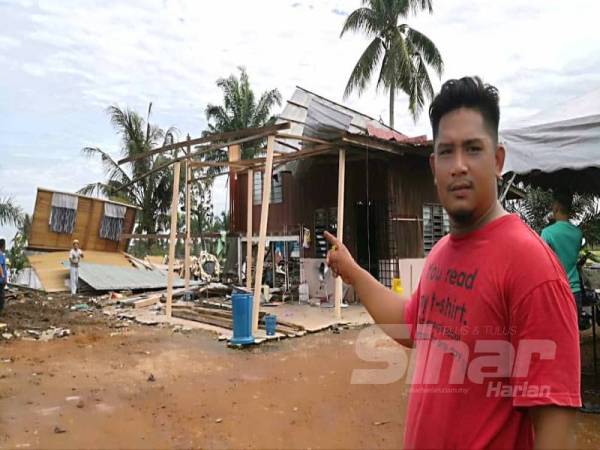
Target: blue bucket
(242,319)
(270,324)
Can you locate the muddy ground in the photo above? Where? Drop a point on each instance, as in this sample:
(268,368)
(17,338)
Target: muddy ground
(151,387)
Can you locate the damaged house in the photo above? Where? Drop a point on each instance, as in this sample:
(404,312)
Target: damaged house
(99,225)
(391,213)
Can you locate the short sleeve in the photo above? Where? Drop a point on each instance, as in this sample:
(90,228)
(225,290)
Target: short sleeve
(545,339)
(545,235)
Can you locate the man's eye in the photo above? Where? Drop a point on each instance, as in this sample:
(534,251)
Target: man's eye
(474,149)
(444,151)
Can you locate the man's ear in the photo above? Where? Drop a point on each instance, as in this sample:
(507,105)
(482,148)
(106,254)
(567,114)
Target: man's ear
(500,157)
(432,166)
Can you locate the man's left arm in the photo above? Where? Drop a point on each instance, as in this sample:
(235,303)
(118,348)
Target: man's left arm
(553,427)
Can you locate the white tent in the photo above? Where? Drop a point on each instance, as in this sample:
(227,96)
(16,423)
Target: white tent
(559,148)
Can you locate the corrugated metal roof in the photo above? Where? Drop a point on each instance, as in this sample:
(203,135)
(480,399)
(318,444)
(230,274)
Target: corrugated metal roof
(102,277)
(325,122)
(312,115)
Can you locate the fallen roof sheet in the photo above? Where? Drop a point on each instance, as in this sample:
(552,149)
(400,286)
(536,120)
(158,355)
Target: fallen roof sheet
(53,275)
(102,277)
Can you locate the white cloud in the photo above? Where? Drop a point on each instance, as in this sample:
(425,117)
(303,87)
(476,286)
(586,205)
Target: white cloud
(65,62)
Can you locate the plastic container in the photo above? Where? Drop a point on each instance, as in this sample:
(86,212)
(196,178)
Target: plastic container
(303,292)
(397,286)
(242,319)
(270,324)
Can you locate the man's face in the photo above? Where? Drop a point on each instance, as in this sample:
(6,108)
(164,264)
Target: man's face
(76,246)
(465,165)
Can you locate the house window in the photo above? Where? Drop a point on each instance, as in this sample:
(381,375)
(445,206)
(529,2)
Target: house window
(435,225)
(112,222)
(276,188)
(63,213)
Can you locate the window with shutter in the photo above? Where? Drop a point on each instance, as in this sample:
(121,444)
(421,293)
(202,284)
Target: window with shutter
(435,225)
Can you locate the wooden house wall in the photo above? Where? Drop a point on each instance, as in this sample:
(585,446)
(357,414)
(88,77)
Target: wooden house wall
(281,215)
(410,187)
(87,226)
(398,188)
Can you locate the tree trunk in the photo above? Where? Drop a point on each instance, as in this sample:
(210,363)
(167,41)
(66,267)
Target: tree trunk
(392,89)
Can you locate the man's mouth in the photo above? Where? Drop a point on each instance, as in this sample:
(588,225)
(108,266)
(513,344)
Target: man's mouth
(460,188)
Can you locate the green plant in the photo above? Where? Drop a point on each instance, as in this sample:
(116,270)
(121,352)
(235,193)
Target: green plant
(403,54)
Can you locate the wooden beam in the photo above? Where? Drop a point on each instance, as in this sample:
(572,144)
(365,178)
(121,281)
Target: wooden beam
(167,236)
(250,203)
(285,144)
(257,163)
(264,218)
(172,240)
(195,154)
(201,164)
(206,177)
(188,222)
(302,138)
(207,139)
(340,228)
(397,148)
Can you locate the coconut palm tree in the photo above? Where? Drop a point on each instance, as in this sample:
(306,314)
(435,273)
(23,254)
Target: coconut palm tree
(240,110)
(10,213)
(402,54)
(152,193)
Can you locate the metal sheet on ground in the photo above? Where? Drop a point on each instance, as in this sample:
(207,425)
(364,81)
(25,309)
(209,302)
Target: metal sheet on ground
(103,277)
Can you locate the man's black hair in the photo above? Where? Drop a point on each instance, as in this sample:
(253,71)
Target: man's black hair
(2,243)
(468,92)
(564,200)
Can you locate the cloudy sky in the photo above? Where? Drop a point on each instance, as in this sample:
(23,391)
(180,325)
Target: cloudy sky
(64,62)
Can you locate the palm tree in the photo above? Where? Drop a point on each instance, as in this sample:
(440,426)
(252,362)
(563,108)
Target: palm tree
(402,53)
(240,110)
(151,193)
(10,214)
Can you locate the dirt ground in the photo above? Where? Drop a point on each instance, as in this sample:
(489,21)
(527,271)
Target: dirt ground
(150,387)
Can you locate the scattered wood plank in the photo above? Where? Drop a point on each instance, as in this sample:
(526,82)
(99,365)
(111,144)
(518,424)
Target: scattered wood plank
(152,300)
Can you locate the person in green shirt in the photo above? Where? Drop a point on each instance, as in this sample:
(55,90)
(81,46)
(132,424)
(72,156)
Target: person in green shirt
(564,239)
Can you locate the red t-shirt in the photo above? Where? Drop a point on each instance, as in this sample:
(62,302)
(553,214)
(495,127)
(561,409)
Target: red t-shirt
(495,329)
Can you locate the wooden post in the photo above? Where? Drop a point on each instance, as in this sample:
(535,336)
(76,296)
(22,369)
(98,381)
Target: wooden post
(249,229)
(188,219)
(340,228)
(173,237)
(264,217)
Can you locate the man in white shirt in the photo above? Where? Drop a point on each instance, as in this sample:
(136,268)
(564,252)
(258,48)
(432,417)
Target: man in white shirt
(75,256)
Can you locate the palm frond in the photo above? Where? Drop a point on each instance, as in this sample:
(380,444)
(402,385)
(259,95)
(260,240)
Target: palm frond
(361,74)
(361,19)
(98,189)
(427,49)
(267,101)
(10,213)
(110,166)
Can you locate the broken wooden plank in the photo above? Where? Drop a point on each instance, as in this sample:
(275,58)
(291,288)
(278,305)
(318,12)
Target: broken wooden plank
(147,301)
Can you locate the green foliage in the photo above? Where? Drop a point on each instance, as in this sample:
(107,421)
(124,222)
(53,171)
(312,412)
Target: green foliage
(151,193)
(10,213)
(240,110)
(536,207)
(402,54)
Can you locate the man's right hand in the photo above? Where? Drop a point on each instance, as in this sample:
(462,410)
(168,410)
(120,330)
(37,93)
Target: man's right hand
(340,260)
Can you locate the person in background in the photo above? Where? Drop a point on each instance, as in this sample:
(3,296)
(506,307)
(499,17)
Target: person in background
(75,256)
(3,272)
(564,239)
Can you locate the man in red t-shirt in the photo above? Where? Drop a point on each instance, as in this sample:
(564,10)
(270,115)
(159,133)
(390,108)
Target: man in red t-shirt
(493,320)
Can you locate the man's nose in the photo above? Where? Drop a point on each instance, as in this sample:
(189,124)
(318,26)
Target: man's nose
(459,164)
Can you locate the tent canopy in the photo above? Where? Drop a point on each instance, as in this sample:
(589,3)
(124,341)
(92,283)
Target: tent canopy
(559,148)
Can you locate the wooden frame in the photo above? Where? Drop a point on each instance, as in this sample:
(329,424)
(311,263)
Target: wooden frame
(173,240)
(340,228)
(264,217)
